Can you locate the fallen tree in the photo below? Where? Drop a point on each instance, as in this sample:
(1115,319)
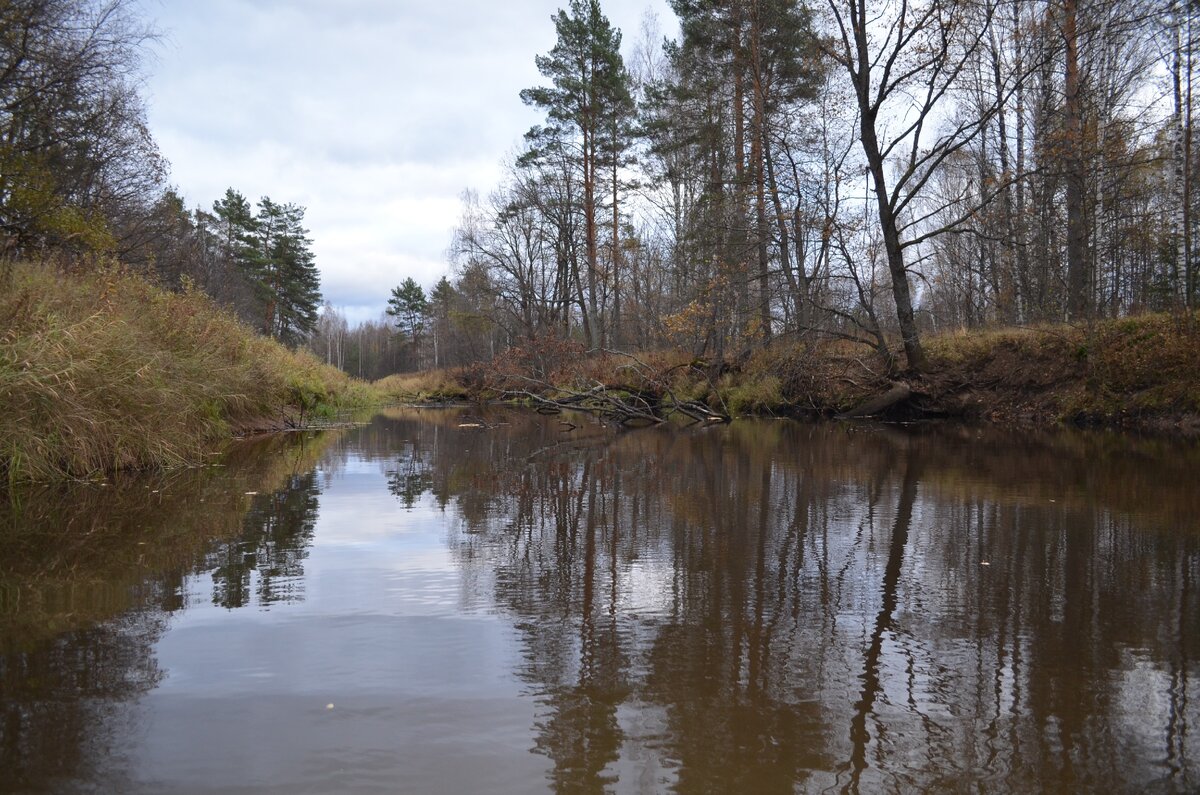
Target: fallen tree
(899,392)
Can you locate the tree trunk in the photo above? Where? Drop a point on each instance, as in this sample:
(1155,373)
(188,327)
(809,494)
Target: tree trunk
(590,312)
(795,276)
(741,215)
(616,246)
(901,292)
(1019,226)
(757,156)
(888,223)
(1078,304)
(1189,277)
(1006,305)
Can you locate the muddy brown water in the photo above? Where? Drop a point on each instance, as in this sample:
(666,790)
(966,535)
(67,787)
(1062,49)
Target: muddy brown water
(418,606)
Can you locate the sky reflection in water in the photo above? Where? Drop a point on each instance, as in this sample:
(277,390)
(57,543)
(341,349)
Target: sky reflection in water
(762,607)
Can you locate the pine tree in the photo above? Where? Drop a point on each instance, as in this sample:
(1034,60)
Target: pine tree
(441,299)
(300,292)
(285,272)
(409,307)
(236,230)
(740,68)
(585,104)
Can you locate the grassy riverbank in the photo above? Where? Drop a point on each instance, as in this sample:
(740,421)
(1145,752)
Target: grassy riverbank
(101,371)
(1139,373)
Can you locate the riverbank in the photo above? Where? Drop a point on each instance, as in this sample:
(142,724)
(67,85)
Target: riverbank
(1140,373)
(102,371)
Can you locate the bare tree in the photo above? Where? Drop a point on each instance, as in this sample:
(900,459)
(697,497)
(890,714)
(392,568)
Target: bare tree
(905,60)
(77,162)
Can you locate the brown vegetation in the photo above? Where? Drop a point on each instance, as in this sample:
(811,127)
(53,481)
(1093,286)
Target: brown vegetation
(100,370)
(1141,373)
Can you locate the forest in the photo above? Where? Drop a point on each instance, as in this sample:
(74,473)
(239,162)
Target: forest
(867,171)
(766,170)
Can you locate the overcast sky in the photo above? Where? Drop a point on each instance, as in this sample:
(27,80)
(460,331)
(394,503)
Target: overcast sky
(373,114)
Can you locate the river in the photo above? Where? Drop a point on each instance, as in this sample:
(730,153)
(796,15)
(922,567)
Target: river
(457,601)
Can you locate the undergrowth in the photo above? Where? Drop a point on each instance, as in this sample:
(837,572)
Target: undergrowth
(1140,371)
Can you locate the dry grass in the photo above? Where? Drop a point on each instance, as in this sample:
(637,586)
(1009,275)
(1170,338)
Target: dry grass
(102,371)
(434,385)
(1112,372)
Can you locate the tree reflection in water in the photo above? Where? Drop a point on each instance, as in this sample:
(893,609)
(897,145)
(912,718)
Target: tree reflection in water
(62,700)
(89,577)
(270,551)
(774,606)
(762,607)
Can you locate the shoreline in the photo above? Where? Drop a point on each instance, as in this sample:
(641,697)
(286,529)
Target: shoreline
(1139,375)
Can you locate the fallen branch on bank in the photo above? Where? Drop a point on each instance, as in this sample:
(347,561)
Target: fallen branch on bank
(694,410)
(600,400)
(621,404)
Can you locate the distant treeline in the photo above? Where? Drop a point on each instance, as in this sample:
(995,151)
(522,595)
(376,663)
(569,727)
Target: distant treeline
(872,171)
(81,176)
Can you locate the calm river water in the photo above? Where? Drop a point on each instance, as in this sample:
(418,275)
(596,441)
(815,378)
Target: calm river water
(418,606)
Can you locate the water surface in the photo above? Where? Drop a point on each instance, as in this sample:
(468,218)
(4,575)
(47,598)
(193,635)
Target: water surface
(418,605)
